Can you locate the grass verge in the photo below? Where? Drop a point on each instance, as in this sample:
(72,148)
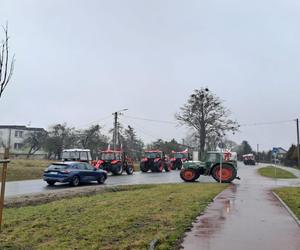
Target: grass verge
(114,220)
(21,169)
(291,197)
(275,172)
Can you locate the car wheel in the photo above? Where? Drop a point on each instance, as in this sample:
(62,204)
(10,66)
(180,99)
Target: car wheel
(51,183)
(75,181)
(101,179)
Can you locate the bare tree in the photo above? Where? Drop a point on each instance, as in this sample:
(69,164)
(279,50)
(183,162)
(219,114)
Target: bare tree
(6,63)
(206,115)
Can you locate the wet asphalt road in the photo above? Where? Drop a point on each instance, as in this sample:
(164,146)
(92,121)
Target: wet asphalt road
(246,216)
(16,188)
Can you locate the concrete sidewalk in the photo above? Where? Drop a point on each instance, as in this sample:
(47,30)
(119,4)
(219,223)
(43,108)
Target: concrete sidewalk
(246,216)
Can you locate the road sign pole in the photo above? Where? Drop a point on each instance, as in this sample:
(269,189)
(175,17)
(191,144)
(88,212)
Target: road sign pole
(3,180)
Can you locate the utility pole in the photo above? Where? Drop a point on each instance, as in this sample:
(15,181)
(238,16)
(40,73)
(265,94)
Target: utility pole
(115,130)
(298,148)
(116,138)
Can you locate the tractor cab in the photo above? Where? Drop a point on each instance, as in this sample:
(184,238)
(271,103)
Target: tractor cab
(110,155)
(114,161)
(82,155)
(154,160)
(178,158)
(153,154)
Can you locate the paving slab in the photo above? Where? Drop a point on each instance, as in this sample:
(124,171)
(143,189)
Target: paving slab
(245,216)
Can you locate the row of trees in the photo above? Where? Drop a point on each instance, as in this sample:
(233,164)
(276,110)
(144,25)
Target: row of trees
(60,136)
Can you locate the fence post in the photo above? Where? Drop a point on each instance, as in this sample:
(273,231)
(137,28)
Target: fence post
(3,180)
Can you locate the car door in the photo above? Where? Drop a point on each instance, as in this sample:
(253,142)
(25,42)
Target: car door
(88,172)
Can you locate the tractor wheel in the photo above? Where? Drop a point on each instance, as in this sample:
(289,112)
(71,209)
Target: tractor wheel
(228,173)
(144,167)
(117,169)
(189,174)
(129,170)
(167,167)
(158,166)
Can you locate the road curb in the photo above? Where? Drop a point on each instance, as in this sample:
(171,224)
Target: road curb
(288,209)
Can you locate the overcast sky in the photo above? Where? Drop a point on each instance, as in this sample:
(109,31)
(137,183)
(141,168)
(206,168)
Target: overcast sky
(77,61)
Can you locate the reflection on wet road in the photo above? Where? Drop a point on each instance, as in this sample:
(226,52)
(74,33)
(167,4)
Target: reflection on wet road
(246,216)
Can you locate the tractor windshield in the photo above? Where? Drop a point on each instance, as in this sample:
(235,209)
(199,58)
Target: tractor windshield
(212,157)
(70,155)
(107,156)
(153,155)
(180,155)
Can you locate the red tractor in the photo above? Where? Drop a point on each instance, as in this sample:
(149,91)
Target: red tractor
(115,162)
(155,161)
(178,158)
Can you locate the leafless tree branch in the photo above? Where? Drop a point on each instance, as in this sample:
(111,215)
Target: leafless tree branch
(6,63)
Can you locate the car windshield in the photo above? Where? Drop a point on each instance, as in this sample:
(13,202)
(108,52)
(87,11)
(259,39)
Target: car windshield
(58,166)
(152,155)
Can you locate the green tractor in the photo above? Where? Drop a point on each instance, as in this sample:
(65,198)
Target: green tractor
(221,169)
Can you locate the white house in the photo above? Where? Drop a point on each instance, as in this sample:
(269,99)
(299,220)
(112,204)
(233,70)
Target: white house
(13,136)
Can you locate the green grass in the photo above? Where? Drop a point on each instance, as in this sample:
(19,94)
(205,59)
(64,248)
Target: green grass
(291,196)
(273,172)
(22,169)
(130,219)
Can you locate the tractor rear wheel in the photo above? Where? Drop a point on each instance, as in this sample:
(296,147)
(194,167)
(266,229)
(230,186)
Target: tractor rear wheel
(129,170)
(227,175)
(189,174)
(167,167)
(117,169)
(144,167)
(158,166)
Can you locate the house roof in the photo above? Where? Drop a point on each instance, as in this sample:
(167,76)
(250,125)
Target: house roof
(21,127)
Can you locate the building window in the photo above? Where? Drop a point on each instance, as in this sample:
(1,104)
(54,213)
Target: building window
(18,146)
(19,133)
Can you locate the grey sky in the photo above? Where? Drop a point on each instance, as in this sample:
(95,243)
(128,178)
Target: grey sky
(78,61)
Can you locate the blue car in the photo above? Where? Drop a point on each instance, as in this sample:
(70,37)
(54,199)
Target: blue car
(73,173)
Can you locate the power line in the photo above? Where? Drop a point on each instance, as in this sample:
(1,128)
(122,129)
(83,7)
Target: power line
(97,121)
(266,123)
(150,120)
